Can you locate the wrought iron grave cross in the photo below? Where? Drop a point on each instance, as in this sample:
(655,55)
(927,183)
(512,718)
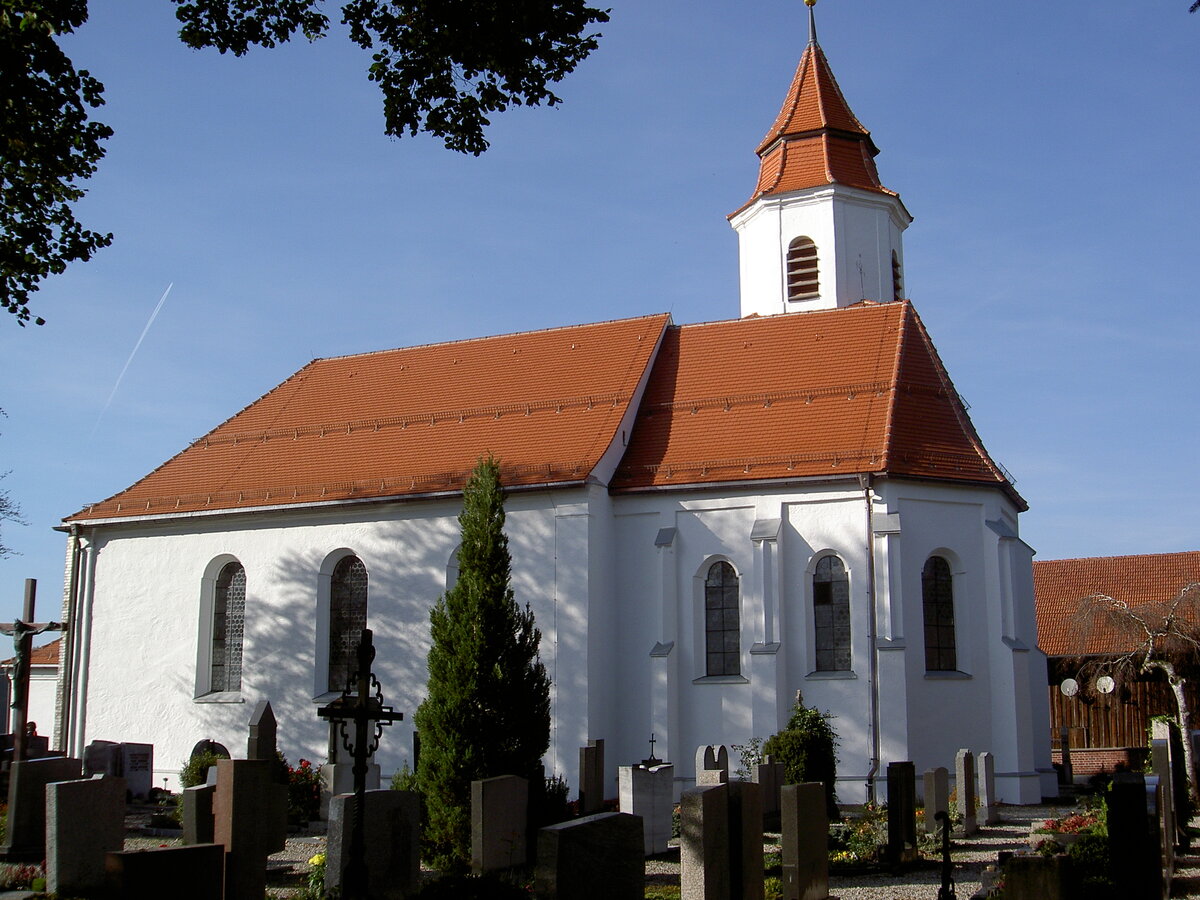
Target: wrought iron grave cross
(22,632)
(360,706)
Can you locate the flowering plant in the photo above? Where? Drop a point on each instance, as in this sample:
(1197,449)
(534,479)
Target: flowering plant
(1076,823)
(304,791)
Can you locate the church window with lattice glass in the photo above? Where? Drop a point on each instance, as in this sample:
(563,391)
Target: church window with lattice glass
(228,628)
(802,280)
(722,621)
(347,619)
(831,615)
(937,599)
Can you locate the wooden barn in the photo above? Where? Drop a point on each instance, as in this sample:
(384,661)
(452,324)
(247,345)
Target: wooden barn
(1104,723)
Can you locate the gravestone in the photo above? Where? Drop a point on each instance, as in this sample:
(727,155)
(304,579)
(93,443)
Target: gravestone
(84,821)
(937,797)
(1167,761)
(591,777)
(197,813)
(712,764)
(597,857)
(250,821)
(1066,774)
(25,838)
(989,810)
(260,744)
(102,758)
(746,840)
(1032,877)
(770,776)
(392,819)
(1131,826)
(964,784)
(499,817)
(646,791)
(805,841)
(704,843)
(188,873)
(338,778)
(902,813)
(137,768)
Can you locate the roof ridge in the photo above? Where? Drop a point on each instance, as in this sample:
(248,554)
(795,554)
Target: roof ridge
(495,337)
(1139,556)
(890,421)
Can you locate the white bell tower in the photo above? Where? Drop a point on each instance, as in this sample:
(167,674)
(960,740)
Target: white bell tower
(820,231)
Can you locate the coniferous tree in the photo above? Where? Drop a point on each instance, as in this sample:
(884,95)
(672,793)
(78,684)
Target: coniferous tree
(487,712)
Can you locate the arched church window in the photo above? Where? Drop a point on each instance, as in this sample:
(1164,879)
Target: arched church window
(228,628)
(831,615)
(897,278)
(937,600)
(722,621)
(347,619)
(802,280)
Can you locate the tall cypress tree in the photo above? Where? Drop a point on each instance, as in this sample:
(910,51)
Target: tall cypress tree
(487,711)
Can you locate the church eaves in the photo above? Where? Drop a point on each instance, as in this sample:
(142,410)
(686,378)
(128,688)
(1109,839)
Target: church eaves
(819,394)
(548,404)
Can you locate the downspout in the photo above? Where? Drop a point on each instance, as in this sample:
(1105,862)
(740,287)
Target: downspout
(84,631)
(66,671)
(873,656)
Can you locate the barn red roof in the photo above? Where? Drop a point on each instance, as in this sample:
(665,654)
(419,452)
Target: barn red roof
(822,393)
(1060,585)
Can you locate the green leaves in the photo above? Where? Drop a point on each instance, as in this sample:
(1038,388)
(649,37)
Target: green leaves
(444,66)
(47,145)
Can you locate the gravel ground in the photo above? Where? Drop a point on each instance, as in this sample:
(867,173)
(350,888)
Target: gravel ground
(970,856)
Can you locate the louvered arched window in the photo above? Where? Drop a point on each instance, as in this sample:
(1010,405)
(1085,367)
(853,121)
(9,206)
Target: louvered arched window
(937,600)
(802,280)
(831,615)
(347,619)
(722,621)
(228,627)
(897,278)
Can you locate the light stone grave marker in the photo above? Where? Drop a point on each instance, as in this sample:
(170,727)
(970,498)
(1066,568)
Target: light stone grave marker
(704,843)
(989,810)
(646,791)
(85,820)
(964,784)
(712,764)
(25,838)
(499,817)
(937,797)
(197,813)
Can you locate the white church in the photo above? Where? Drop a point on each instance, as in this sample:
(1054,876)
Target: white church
(705,518)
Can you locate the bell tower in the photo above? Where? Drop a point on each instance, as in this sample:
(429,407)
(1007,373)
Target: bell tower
(820,230)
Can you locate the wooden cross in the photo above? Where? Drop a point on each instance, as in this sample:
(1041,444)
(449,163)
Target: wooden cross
(365,709)
(22,632)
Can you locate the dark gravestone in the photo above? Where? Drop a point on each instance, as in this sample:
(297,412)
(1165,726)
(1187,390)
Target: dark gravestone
(598,857)
(1138,876)
(25,838)
(250,812)
(902,813)
(805,841)
(261,742)
(746,840)
(591,777)
(499,819)
(392,821)
(197,814)
(102,758)
(1028,877)
(210,746)
(183,873)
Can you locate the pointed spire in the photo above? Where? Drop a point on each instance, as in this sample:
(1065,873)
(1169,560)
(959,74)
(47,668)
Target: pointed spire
(816,139)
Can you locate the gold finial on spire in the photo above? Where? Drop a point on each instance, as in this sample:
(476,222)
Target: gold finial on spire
(812,21)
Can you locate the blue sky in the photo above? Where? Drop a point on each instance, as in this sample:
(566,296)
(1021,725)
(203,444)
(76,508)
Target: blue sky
(1047,151)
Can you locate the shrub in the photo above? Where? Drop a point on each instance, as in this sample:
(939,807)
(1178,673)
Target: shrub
(1091,857)
(195,771)
(807,747)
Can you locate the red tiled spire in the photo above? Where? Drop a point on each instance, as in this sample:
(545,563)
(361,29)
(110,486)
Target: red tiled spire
(816,139)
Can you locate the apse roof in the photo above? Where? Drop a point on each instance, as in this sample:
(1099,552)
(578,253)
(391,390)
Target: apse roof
(825,393)
(1060,586)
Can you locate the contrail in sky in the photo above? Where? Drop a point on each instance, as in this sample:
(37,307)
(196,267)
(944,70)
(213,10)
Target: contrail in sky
(132,353)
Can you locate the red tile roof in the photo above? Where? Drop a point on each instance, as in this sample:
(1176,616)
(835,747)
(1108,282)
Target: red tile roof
(832,392)
(46,655)
(816,139)
(1060,585)
(547,404)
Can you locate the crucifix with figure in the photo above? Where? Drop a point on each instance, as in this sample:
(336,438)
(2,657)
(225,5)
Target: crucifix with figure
(22,632)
